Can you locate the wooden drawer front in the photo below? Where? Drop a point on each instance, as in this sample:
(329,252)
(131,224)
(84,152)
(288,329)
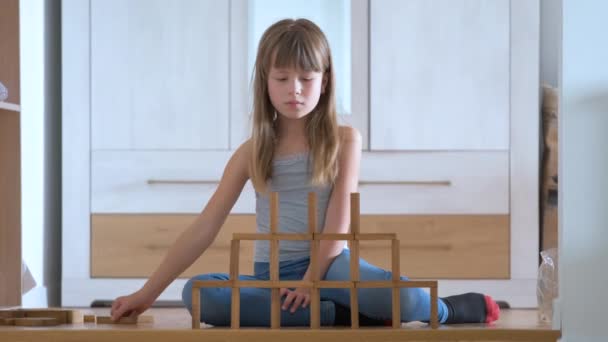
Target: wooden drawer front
(435,183)
(442,247)
(134,245)
(176,182)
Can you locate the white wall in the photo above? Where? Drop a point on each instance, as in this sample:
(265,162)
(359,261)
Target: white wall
(40,146)
(584,171)
(31,16)
(550,40)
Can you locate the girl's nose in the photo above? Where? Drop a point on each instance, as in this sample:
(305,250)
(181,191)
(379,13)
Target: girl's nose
(296,87)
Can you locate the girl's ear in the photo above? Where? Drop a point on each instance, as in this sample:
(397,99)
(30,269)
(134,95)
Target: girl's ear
(324,83)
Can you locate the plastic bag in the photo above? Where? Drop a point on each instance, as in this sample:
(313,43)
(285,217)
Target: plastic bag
(547,287)
(3,92)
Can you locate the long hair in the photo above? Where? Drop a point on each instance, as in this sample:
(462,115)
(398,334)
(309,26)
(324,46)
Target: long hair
(299,44)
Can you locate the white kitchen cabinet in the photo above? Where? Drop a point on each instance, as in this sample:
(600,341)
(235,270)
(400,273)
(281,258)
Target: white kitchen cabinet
(440,74)
(159,74)
(121,161)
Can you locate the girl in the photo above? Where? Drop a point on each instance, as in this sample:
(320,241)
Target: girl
(296,147)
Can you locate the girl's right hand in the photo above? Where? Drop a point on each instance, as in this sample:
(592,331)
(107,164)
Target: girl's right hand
(130,306)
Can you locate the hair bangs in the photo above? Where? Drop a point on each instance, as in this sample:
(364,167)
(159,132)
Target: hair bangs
(296,49)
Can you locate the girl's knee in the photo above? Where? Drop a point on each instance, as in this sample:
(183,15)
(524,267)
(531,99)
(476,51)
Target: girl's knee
(187,291)
(214,310)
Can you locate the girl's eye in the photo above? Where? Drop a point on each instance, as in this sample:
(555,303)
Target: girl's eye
(307,79)
(281,79)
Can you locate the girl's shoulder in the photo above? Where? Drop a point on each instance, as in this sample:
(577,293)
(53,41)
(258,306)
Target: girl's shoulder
(243,155)
(349,134)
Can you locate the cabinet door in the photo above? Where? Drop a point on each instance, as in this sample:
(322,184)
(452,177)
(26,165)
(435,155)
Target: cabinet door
(440,74)
(159,74)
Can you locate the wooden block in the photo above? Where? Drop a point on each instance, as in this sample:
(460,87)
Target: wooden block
(274,260)
(89,319)
(315,309)
(355,215)
(395,263)
(141,319)
(251,236)
(259,284)
(121,320)
(211,283)
(354,308)
(275,309)
(354,260)
(60,315)
(196,308)
(295,283)
(330,284)
(7,321)
(312,213)
(375,236)
(145,319)
(235,246)
(274,229)
(417,283)
(12,313)
(333,236)
(270,237)
(293,237)
(374,284)
(36,322)
(235,310)
(434,316)
(75,316)
(315,295)
(274,213)
(396,308)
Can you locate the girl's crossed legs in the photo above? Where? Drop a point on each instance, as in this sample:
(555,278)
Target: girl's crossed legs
(255,303)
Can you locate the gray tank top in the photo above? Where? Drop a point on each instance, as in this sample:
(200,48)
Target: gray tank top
(291,179)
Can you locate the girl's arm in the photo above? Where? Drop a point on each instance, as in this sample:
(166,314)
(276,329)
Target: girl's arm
(337,218)
(195,239)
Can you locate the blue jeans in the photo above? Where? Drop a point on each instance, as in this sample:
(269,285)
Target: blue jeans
(255,303)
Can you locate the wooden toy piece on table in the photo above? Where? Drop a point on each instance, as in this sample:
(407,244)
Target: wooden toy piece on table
(274,284)
(40,317)
(54,317)
(123,320)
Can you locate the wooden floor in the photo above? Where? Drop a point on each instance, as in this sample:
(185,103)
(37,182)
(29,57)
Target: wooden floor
(173,325)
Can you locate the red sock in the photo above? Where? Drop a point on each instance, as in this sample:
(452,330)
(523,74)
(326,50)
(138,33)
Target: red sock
(492,310)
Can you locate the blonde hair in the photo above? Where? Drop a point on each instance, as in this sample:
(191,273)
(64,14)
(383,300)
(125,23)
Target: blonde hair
(299,44)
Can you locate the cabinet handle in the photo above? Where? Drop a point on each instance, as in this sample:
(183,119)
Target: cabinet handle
(10,106)
(180,181)
(431,183)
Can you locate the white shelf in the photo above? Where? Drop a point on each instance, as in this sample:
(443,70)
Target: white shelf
(10,106)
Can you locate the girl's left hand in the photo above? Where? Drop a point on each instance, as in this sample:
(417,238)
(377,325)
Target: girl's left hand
(295,298)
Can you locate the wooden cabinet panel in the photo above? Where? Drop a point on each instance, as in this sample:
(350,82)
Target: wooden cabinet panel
(442,246)
(438,246)
(439,75)
(132,246)
(160,74)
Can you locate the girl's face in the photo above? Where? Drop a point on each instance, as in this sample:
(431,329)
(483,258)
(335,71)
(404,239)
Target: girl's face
(295,93)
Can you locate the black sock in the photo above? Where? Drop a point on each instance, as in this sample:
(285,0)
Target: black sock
(343,318)
(466,308)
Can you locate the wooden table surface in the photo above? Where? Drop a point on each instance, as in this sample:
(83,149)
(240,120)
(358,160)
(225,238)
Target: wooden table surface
(173,324)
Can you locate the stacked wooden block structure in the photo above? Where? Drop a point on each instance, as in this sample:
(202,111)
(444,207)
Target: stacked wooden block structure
(274,284)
